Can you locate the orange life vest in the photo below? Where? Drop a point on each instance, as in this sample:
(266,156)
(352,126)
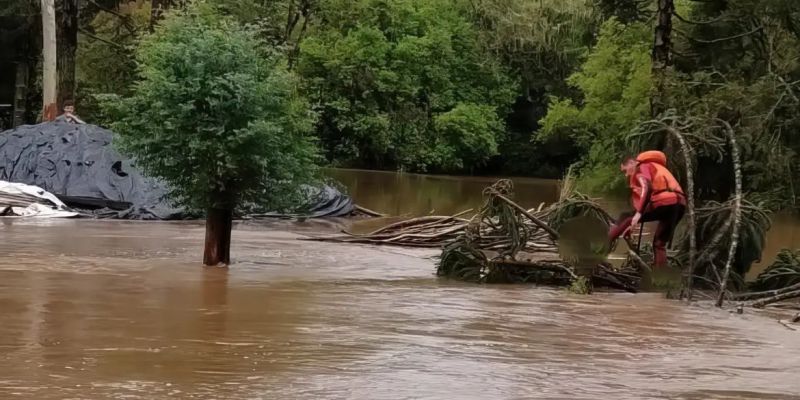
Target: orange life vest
(664,188)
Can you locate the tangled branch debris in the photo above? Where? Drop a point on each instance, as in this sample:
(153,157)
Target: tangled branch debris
(504,242)
(779,282)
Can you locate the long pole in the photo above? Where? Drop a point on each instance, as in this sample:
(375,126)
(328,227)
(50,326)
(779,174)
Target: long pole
(49,72)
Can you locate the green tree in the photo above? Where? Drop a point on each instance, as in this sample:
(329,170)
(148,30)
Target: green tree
(382,72)
(615,84)
(105,63)
(542,42)
(216,114)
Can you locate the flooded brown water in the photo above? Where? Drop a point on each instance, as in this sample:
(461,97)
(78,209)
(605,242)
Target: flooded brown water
(122,310)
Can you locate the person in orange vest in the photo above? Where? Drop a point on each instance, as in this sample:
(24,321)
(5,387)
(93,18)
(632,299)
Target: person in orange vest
(656,196)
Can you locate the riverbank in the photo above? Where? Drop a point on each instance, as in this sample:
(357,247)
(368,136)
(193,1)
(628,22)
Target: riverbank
(105,308)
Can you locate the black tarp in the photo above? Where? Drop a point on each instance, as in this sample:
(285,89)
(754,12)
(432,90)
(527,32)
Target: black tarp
(78,163)
(321,201)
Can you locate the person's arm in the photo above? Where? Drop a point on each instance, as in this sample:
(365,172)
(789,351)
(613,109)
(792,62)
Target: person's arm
(645,178)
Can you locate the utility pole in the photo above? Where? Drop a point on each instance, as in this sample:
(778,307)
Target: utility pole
(49,73)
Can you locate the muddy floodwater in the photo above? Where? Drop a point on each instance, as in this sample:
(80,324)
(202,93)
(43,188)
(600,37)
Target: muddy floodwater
(122,310)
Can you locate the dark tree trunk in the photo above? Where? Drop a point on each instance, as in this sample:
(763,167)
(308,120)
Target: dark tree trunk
(66,45)
(219,223)
(662,55)
(157,8)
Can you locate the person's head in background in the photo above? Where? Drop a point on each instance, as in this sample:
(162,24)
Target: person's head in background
(69,106)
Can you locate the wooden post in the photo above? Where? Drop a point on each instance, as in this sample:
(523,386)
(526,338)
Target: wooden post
(49,73)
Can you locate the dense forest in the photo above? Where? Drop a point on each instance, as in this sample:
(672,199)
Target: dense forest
(514,87)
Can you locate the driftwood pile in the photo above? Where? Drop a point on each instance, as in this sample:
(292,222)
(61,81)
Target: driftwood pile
(504,242)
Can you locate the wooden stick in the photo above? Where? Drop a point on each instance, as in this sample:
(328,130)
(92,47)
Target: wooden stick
(368,212)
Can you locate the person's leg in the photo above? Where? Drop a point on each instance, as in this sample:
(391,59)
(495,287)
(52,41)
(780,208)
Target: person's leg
(619,227)
(668,218)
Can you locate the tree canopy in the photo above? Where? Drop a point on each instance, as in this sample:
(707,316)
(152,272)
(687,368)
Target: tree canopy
(510,86)
(381,102)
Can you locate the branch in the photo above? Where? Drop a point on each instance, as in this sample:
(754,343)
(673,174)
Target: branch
(737,211)
(688,21)
(769,300)
(126,20)
(719,40)
(686,150)
(768,293)
(92,36)
(523,211)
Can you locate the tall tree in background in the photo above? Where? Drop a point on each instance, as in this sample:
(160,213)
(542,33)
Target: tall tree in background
(391,81)
(217,115)
(49,62)
(67,43)
(662,55)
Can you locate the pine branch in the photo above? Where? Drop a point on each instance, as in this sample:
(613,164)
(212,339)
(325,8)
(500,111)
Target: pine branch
(688,21)
(126,20)
(93,36)
(718,40)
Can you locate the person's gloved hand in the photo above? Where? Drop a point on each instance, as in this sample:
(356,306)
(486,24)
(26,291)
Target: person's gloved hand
(634,221)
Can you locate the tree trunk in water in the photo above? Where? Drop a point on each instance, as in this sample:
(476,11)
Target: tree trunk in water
(218,236)
(67,44)
(688,156)
(662,55)
(737,211)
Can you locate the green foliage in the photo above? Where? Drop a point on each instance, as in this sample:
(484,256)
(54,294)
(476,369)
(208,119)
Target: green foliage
(615,86)
(784,272)
(581,285)
(106,68)
(468,136)
(216,114)
(714,235)
(544,41)
(390,79)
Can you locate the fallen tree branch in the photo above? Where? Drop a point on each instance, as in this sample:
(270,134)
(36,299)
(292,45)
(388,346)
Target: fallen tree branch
(766,293)
(774,299)
(368,212)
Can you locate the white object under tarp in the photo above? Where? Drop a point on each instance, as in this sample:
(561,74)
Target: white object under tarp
(49,207)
